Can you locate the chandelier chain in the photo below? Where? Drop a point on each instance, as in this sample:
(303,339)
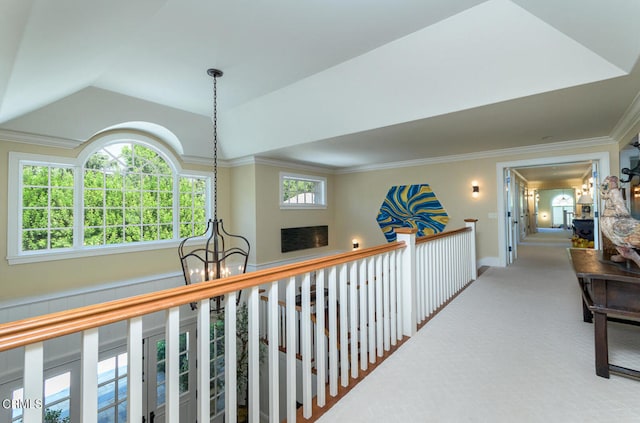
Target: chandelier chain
(215,147)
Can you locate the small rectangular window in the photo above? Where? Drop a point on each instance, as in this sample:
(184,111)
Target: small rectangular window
(302,191)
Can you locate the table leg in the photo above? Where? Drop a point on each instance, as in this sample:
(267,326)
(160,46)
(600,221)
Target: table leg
(602,350)
(587,316)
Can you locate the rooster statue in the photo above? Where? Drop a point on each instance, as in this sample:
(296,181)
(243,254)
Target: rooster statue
(617,224)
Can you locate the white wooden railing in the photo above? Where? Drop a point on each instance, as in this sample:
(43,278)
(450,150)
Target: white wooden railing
(375,298)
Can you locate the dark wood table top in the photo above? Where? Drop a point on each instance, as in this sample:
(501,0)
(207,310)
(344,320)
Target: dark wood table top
(589,263)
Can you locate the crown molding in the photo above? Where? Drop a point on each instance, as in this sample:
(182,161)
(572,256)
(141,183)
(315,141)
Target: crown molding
(279,163)
(198,160)
(629,119)
(36,139)
(538,148)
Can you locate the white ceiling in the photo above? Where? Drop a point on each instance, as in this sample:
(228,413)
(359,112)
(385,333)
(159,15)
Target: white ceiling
(333,83)
(559,174)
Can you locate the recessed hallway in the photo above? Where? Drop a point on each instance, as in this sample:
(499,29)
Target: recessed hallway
(511,348)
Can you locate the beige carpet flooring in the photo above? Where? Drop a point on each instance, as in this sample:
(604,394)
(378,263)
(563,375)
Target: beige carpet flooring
(511,348)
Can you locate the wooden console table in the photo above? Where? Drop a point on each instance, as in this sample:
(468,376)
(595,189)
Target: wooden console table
(608,290)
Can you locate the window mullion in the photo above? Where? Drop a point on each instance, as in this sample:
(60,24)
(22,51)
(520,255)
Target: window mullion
(78,207)
(176,205)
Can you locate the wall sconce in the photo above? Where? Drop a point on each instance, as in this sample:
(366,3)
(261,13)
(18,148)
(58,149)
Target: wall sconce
(355,243)
(544,215)
(475,189)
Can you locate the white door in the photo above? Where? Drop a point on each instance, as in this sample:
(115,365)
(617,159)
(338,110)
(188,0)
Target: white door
(510,217)
(154,358)
(595,174)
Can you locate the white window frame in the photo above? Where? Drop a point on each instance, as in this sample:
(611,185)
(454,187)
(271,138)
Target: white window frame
(318,179)
(15,255)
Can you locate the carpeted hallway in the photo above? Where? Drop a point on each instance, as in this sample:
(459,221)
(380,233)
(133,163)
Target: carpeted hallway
(511,348)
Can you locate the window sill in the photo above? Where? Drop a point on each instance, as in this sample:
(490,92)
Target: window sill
(38,256)
(302,207)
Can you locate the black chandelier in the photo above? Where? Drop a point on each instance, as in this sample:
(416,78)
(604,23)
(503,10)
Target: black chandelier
(214,260)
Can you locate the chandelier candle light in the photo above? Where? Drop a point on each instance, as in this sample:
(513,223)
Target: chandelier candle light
(209,262)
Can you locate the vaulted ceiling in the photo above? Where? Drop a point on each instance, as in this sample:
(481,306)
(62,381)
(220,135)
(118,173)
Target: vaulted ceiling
(333,83)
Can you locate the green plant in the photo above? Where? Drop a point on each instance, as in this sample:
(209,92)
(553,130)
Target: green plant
(53,416)
(242,350)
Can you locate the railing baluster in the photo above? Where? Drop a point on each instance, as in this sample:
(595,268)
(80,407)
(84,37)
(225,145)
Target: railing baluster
(379,322)
(253,402)
(353,317)
(399,298)
(203,354)
(386,307)
(274,353)
(447,267)
(428,247)
(89,363)
(363,313)
(172,366)
(441,272)
(393,297)
(33,380)
(344,328)
(371,306)
(333,333)
(134,368)
(420,287)
(291,352)
(450,246)
(306,345)
(230,359)
(321,349)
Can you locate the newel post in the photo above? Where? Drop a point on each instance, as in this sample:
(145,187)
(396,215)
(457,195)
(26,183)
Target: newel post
(408,280)
(471,223)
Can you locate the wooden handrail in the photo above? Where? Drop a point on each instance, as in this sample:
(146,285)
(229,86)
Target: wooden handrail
(432,237)
(41,328)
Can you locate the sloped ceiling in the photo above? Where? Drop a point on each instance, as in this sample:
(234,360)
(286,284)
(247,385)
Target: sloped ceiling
(331,83)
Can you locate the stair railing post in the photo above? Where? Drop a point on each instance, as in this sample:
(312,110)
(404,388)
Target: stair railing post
(408,280)
(471,223)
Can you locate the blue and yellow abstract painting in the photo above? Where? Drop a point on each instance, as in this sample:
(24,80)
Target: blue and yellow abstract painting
(411,206)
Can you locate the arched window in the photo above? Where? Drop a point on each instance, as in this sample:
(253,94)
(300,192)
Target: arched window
(562,209)
(123,190)
(128,196)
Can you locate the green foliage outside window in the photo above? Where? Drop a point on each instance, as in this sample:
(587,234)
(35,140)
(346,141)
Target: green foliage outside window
(47,207)
(183,362)
(54,416)
(294,187)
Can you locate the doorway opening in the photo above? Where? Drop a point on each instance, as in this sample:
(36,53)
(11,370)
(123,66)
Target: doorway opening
(519,206)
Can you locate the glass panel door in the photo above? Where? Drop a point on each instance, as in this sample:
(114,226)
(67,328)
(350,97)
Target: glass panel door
(155,362)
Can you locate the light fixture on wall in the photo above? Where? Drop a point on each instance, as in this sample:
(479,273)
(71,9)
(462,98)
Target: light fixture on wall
(214,260)
(475,189)
(355,243)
